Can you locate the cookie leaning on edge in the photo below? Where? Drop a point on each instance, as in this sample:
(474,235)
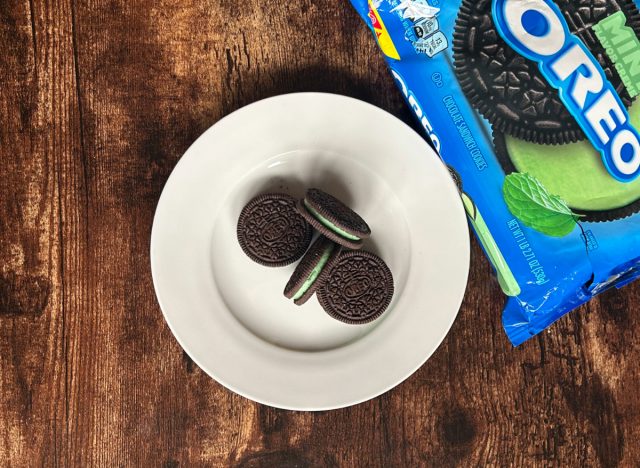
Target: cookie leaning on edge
(358,289)
(271,231)
(333,218)
(312,270)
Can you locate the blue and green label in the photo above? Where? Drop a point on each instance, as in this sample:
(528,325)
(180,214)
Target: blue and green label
(537,30)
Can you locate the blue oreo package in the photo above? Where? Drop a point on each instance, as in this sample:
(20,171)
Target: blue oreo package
(532,105)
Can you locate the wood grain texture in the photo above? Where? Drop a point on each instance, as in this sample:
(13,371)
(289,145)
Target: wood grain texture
(99,100)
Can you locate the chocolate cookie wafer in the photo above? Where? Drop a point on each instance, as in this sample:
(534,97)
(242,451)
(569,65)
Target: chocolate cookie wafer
(358,289)
(271,231)
(334,219)
(312,270)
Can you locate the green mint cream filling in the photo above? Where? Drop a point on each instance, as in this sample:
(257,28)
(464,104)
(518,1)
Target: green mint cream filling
(325,222)
(314,273)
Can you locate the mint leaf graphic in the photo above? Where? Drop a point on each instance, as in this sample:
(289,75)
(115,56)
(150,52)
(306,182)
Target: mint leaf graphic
(530,202)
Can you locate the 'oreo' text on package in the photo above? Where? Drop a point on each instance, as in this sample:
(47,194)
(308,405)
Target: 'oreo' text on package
(532,105)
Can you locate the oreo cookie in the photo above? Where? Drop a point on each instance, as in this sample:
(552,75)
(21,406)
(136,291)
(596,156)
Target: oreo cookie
(508,89)
(271,231)
(333,218)
(358,289)
(312,270)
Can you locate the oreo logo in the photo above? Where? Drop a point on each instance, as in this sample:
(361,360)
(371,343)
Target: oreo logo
(422,117)
(276,229)
(357,287)
(537,30)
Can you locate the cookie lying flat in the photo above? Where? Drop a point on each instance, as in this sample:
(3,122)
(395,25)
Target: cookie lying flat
(312,270)
(358,289)
(271,231)
(334,219)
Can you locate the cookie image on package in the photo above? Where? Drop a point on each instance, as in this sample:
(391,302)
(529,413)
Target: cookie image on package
(509,90)
(358,289)
(271,231)
(575,172)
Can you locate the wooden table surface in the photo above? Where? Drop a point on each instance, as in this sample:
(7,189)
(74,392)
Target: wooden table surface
(98,101)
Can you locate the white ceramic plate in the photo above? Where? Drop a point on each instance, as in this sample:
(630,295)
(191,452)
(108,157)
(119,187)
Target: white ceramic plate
(229,313)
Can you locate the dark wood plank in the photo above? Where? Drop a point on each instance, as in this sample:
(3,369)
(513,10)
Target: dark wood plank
(38,137)
(100,99)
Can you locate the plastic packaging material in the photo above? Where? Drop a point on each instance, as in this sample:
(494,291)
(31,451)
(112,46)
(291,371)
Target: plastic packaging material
(531,105)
